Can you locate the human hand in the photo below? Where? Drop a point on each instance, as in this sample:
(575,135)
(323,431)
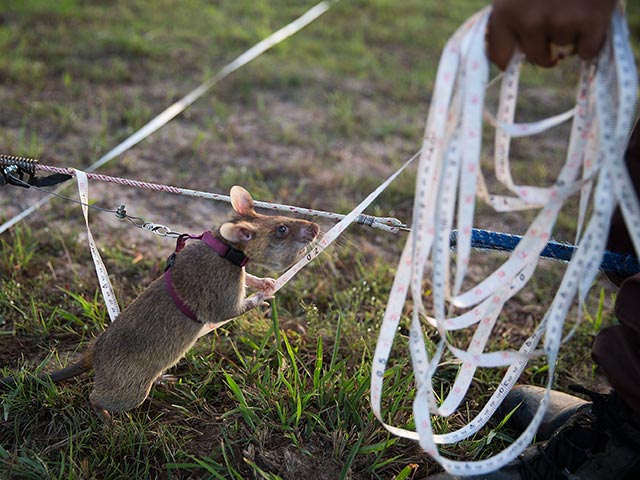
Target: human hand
(547,30)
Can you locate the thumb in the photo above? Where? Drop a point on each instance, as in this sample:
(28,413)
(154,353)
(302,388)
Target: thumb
(501,42)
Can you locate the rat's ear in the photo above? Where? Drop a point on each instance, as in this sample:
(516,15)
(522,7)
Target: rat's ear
(241,201)
(237,232)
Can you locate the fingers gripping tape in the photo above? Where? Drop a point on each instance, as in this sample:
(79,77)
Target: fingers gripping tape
(449,181)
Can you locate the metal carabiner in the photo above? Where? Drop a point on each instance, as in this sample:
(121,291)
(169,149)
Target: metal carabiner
(159,229)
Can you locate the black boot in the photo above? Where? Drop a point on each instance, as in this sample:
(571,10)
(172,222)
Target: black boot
(597,443)
(522,403)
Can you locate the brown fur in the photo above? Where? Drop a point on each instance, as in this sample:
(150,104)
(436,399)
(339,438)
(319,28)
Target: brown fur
(151,334)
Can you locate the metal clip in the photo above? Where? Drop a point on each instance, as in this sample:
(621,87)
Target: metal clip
(15,169)
(13,175)
(388,224)
(160,230)
(121,212)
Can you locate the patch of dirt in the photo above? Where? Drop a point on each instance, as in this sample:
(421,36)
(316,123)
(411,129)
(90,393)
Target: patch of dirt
(29,351)
(279,456)
(14,347)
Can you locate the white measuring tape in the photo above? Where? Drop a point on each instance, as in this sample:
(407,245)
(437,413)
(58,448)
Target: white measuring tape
(449,179)
(178,107)
(317,249)
(103,277)
(156,123)
(338,228)
(327,239)
(449,175)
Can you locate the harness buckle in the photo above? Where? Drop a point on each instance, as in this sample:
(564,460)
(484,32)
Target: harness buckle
(235,256)
(170,261)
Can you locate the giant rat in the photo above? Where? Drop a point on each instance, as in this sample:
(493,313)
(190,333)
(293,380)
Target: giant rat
(203,288)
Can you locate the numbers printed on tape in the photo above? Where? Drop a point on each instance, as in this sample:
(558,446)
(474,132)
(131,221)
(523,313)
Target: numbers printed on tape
(101,271)
(337,229)
(448,179)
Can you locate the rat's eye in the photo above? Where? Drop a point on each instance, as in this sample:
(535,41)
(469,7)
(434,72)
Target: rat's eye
(281,231)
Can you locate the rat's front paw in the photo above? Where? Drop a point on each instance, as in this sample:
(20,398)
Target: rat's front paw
(258,298)
(267,286)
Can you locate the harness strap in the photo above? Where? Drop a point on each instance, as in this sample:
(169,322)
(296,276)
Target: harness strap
(233,255)
(168,281)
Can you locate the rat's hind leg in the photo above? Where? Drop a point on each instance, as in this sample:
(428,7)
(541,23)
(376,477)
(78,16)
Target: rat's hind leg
(114,397)
(165,379)
(101,411)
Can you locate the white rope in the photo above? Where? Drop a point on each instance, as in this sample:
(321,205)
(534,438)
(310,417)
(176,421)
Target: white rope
(388,224)
(178,107)
(318,248)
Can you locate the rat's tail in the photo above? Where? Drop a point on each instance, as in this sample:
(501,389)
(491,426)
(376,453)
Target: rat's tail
(84,364)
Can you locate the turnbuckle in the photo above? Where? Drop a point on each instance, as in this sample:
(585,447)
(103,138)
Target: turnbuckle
(14,169)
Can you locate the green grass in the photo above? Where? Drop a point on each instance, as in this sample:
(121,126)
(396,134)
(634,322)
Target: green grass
(262,389)
(319,121)
(259,398)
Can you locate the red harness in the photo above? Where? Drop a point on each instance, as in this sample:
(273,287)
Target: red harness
(225,251)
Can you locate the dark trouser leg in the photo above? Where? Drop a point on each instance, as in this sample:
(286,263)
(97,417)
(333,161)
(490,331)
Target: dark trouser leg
(617,349)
